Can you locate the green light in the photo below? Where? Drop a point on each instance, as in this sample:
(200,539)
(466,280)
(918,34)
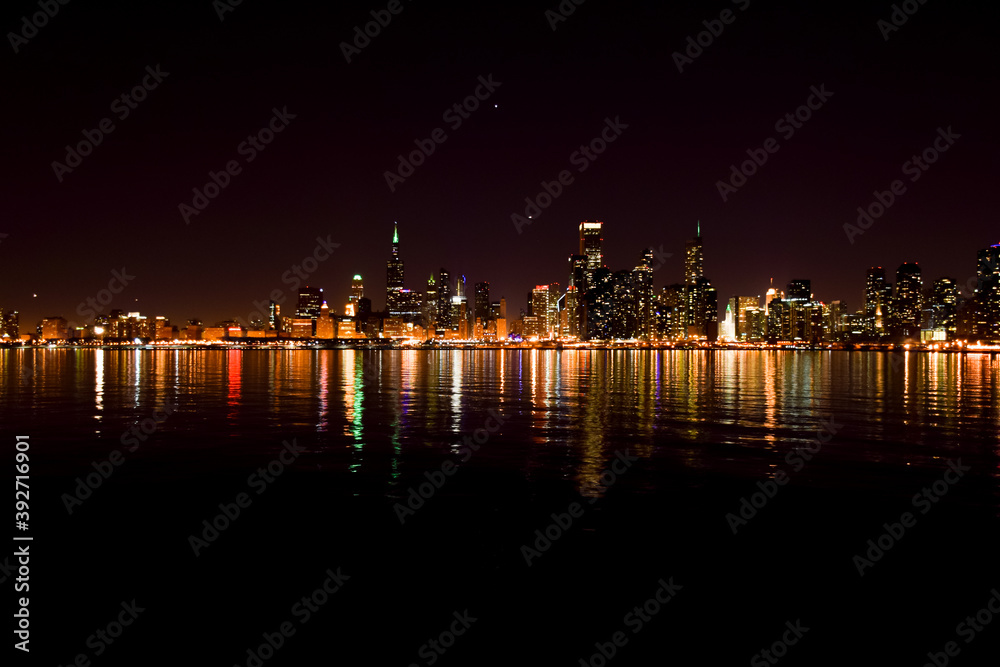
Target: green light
(395,233)
(357,276)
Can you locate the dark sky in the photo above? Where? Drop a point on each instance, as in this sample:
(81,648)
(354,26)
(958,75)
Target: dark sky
(323,175)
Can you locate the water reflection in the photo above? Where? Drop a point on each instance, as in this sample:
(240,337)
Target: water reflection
(384,413)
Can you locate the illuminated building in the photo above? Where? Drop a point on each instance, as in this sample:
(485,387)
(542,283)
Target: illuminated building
(642,295)
(701,301)
(274,315)
(444,299)
(54,328)
(578,272)
(394,276)
(670,313)
(907,303)
(9,327)
(430,305)
(543,307)
(878,299)
(482,307)
(591,240)
(325,328)
(502,320)
(942,309)
(694,259)
(987,299)
(357,290)
(300,327)
(800,291)
(740,306)
(310,302)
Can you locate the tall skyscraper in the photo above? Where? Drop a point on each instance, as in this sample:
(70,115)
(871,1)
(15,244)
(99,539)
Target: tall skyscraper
(907,304)
(430,307)
(9,328)
(694,259)
(444,299)
(642,293)
(482,308)
(357,291)
(943,306)
(394,276)
(876,307)
(986,305)
(591,240)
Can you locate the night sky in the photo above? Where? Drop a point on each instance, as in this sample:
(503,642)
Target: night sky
(323,174)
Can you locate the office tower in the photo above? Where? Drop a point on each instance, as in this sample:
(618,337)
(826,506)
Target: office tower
(54,328)
(800,291)
(743,305)
(986,306)
(671,322)
(394,276)
(9,327)
(878,303)
(482,307)
(642,286)
(430,306)
(943,306)
(578,272)
(444,299)
(907,303)
(502,327)
(310,302)
(543,307)
(325,326)
(694,259)
(590,244)
(357,291)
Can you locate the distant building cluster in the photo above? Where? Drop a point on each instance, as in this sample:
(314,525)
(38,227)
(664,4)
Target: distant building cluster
(597,305)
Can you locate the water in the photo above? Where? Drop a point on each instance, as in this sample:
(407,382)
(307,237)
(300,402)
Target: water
(362,431)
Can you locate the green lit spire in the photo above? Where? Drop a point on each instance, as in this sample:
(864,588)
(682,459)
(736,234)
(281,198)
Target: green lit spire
(699,228)
(395,232)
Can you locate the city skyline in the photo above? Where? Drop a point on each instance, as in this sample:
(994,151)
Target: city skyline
(685,310)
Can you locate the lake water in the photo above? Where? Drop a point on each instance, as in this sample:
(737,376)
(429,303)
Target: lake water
(645,456)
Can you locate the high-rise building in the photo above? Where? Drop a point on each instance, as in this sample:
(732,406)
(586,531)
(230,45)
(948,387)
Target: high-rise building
(310,302)
(482,307)
(642,287)
(9,327)
(430,307)
(444,299)
(907,303)
(800,291)
(543,307)
(394,276)
(743,307)
(357,291)
(878,303)
(502,328)
(591,241)
(986,306)
(694,259)
(273,316)
(578,272)
(942,307)
(671,313)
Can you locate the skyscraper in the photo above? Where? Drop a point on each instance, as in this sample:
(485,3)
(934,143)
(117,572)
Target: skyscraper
(430,307)
(694,259)
(876,307)
(444,299)
(310,302)
(394,276)
(987,301)
(907,304)
(357,291)
(590,244)
(642,287)
(800,291)
(482,308)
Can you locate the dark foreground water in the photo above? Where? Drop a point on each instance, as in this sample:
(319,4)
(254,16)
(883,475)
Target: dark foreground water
(328,453)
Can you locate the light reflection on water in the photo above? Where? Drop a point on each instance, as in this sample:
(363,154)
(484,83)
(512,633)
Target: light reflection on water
(387,414)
